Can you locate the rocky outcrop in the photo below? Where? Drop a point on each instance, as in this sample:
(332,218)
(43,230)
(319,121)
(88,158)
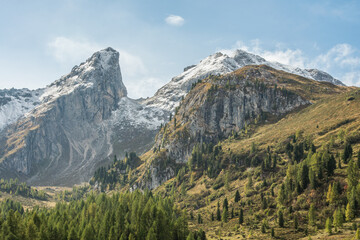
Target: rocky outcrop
(82,120)
(169,96)
(14,103)
(216,108)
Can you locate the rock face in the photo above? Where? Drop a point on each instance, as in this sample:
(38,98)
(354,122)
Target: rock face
(216,108)
(14,103)
(80,119)
(169,96)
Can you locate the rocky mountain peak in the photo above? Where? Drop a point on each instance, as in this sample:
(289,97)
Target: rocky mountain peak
(101,69)
(245,58)
(169,96)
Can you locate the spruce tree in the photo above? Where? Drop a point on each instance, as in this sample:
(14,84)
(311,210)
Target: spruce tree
(225,215)
(338,218)
(151,235)
(190,236)
(296,222)
(72,234)
(311,215)
(280,218)
(347,153)
(241,216)
(218,213)
(226,204)
(350,212)
(328,226)
(237,196)
(199,219)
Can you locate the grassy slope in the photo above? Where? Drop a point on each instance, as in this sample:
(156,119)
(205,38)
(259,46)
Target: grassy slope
(326,117)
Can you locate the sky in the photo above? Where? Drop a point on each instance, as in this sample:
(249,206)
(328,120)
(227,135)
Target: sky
(42,40)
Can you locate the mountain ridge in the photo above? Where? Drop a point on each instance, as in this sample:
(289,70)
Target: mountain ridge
(168,96)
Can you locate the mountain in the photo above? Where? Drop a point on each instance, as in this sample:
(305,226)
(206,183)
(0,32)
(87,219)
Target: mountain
(258,153)
(60,134)
(75,124)
(219,106)
(169,96)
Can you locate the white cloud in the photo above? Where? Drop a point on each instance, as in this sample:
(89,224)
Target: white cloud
(144,86)
(66,49)
(343,55)
(175,20)
(351,78)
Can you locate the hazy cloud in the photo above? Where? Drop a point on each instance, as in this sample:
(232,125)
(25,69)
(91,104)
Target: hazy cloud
(175,20)
(65,49)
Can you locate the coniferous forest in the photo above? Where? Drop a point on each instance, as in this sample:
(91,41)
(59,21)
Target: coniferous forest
(122,216)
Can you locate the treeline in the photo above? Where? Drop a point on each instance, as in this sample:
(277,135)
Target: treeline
(132,216)
(13,186)
(119,172)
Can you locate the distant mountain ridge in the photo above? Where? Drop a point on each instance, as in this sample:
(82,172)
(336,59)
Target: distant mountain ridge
(168,96)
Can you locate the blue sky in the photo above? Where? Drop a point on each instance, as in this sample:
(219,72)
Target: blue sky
(42,40)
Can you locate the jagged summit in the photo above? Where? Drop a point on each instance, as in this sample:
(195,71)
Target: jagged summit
(102,68)
(168,96)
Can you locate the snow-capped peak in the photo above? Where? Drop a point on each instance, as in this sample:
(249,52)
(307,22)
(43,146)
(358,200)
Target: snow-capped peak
(169,96)
(96,68)
(102,69)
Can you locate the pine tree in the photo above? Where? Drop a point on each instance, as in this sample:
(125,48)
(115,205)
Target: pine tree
(218,214)
(349,213)
(331,165)
(312,178)
(225,215)
(226,204)
(72,234)
(328,194)
(338,218)
(304,176)
(352,175)
(237,196)
(311,215)
(281,198)
(199,219)
(241,216)
(281,218)
(88,233)
(112,234)
(190,236)
(151,235)
(296,222)
(31,232)
(328,226)
(347,153)
(274,162)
